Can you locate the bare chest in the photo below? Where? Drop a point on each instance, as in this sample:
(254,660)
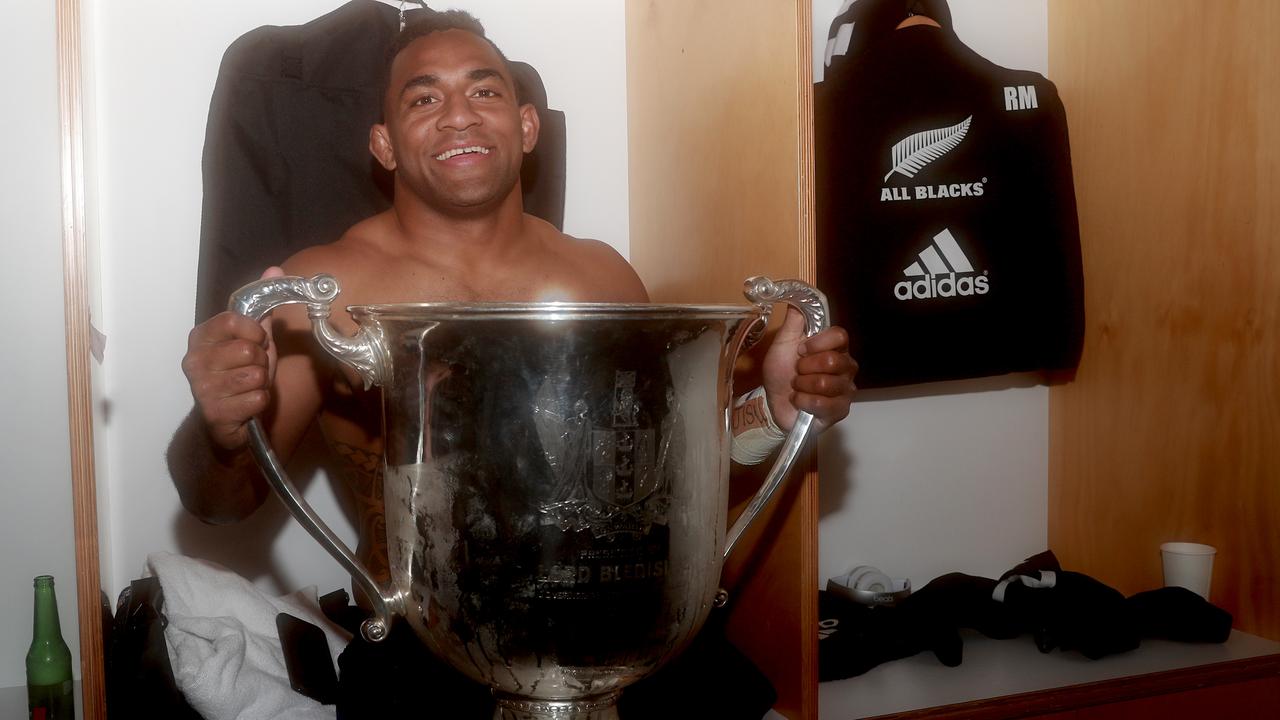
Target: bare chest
(543,280)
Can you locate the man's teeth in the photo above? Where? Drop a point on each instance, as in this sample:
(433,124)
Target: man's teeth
(458,151)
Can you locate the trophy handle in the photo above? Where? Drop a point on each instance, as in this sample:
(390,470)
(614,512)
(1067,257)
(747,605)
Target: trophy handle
(363,352)
(811,303)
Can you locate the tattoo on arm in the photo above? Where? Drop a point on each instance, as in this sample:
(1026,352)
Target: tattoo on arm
(364,470)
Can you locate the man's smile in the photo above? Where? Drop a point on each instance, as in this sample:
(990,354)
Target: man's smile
(454,152)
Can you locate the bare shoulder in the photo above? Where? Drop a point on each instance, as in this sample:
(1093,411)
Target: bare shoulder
(602,274)
(347,258)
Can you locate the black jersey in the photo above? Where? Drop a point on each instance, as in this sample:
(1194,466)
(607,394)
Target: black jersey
(948,241)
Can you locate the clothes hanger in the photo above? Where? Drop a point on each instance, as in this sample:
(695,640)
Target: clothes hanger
(915,17)
(400,6)
(420,2)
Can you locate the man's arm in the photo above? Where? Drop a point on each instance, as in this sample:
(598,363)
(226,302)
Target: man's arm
(811,374)
(235,375)
(216,485)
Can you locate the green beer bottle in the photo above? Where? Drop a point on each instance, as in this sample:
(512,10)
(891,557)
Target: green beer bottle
(49,691)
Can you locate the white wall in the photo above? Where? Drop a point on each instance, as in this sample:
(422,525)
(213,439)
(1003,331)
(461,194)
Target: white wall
(946,477)
(35,467)
(155,62)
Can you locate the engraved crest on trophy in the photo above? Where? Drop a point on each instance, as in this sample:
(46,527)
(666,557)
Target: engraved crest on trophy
(612,480)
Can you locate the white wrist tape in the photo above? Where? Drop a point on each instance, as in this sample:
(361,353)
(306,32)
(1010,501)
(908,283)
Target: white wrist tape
(757,435)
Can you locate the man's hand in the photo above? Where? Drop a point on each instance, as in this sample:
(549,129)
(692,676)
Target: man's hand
(810,374)
(230,363)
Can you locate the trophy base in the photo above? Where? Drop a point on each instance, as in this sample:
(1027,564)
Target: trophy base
(599,707)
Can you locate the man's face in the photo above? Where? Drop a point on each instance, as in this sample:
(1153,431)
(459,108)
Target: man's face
(454,132)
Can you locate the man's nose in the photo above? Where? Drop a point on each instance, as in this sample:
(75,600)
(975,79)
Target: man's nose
(458,114)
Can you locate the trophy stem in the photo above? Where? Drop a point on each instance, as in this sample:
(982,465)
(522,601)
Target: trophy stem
(598,707)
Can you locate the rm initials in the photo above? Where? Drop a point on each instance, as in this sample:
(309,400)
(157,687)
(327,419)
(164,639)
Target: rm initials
(1020,97)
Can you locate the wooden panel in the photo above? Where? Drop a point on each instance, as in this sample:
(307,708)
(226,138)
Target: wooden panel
(75,285)
(1240,688)
(720,150)
(1254,699)
(1171,429)
(715,145)
(772,578)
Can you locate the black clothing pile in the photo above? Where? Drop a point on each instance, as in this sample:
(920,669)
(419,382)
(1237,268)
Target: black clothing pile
(1059,609)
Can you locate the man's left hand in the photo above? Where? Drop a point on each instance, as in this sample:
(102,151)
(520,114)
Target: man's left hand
(810,374)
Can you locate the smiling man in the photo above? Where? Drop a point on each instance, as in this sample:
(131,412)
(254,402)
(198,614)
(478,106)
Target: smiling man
(454,134)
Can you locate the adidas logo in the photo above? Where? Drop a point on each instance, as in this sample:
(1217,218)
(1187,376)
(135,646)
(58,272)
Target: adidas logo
(915,151)
(944,271)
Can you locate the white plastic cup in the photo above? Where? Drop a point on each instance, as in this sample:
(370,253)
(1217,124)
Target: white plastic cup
(1188,565)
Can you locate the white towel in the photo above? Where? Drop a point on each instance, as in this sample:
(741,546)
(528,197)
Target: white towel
(224,646)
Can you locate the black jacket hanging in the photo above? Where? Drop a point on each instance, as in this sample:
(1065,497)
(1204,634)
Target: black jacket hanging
(948,242)
(286,157)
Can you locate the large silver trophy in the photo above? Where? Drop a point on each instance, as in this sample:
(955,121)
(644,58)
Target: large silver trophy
(556,479)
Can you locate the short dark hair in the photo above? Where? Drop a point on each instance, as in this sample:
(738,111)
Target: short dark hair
(435,21)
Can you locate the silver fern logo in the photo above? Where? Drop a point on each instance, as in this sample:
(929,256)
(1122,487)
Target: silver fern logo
(915,151)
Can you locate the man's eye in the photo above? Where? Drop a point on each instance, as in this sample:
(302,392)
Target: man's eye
(424,100)
(486,93)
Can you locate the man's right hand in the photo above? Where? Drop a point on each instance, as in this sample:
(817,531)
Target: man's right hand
(230,364)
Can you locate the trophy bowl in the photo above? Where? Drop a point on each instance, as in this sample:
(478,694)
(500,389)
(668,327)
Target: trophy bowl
(555,479)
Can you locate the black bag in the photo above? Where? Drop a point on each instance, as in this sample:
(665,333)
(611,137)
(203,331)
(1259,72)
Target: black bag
(139,677)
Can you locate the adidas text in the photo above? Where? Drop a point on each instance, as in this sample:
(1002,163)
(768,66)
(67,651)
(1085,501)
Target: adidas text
(940,286)
(933,192)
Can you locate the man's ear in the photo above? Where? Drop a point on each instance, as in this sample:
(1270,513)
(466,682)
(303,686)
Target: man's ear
(529,126)
(380,146)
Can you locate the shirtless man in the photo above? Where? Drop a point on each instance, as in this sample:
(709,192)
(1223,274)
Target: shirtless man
(454,135)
